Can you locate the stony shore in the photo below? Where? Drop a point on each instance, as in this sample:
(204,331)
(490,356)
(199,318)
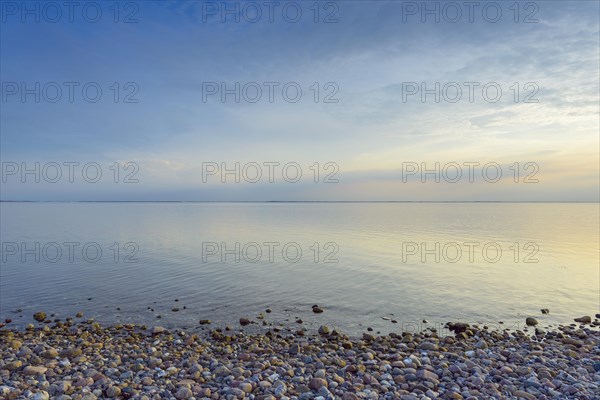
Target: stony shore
(68,360)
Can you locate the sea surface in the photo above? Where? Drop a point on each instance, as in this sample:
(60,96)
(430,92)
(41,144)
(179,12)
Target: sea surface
(364,264)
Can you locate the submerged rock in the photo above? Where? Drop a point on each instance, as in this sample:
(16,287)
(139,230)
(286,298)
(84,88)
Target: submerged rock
(530,321)
(584,320)
(39,316)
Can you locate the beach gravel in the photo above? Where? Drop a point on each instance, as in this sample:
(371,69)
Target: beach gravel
(84,361)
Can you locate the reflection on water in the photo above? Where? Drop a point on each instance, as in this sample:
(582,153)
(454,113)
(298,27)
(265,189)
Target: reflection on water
(483,262)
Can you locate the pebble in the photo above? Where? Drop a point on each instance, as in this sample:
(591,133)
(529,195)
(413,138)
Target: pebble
(157,330)
(50,353)
(113,391)
(530,321)
(584,320)
(41,395)
(34,370)
(86,361)
(428,346)
(324,330)
(317,383)
(183,393)
(39,316)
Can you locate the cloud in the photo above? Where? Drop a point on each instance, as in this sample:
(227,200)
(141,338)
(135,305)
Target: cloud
(370,54)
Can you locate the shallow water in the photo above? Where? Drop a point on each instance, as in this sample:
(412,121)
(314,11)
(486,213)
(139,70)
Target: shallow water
(359,261)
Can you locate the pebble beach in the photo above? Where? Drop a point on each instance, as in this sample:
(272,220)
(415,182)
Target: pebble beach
(86,360)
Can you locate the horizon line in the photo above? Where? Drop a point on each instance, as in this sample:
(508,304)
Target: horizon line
(300,201)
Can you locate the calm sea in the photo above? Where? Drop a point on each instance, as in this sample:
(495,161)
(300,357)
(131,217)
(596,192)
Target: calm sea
(365,264)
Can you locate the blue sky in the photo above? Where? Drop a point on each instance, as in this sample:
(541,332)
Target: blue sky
(367,57)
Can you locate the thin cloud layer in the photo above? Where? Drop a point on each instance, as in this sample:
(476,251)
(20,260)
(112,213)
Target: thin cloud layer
(358,106)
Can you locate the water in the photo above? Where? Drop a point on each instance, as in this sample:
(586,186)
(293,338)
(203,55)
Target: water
(360,262)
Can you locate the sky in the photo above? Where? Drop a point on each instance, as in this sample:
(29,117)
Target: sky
(300,101)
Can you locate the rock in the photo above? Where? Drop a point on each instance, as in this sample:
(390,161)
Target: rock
(368,337)
(596,366)
(157,330)
(13,366)
(41,395)
(244,321)
(129,392)
(545,311)
(481,345)
(39,316)
(79,314)
(427,375)
(245,387)
(324,330)
(83,382)
(235,393)
(204,321)
(34,370)
(71,353)
(294,348)
(147,381)
(237,372)
(531,383)
(316,309)
(530,321)
(16,344)
(113,391)
(325,393)
(183,393)
(222,371)
(317,383)
(539,331)
(524,395)
(279,388)
(50,353)
(584,320)
(428,346)
(458,327)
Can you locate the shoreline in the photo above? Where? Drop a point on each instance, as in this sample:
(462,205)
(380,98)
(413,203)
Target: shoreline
(289,321)
(85,360)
